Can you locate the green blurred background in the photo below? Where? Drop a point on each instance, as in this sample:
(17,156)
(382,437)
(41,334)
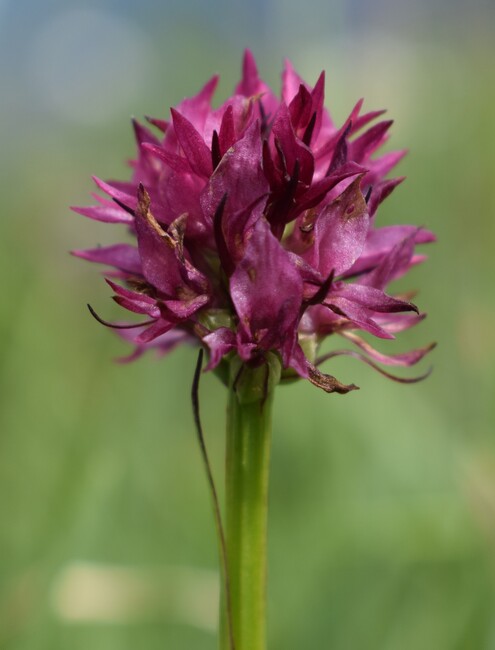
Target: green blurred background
(382,505)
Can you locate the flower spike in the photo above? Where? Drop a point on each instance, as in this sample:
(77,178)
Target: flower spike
(255,233)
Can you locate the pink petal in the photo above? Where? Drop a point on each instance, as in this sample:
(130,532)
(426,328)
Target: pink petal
(196,109)
(392,265)
(162,344)
(358,316)
(227,134)
(291,82)
(250,83)
(126,198)
(380,167)
(370,298)
(380,241)
(193,145)
(381,191)
(184,309)
(110,212)
(172,160)
(157,252)
(266,289)
(220,342)
(239,175)
(340,232)
(364,146)
(395,323)
(405,359)
(301,108)
(123,256)
(154,331)
(134,301)
(142,134)
(293,149)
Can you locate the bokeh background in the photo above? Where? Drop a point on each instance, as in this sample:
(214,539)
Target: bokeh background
(382,521)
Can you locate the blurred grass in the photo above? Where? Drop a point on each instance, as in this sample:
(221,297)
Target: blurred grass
(382,532)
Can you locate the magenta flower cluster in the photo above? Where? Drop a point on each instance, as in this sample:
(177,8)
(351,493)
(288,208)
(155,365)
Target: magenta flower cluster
(255,229)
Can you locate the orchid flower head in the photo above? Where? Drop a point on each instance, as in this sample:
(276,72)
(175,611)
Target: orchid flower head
(254,231)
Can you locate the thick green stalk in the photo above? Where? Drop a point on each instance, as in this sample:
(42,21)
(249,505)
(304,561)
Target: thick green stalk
(247,469)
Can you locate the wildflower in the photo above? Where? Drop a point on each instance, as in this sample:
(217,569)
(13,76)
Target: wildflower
(255,231)
(255,237)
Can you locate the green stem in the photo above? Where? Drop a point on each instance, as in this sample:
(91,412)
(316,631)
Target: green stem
(247,469)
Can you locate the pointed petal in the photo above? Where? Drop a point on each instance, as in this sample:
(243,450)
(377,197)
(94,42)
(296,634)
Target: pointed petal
(297,360)
(162,344)
(405,359)
(182,193)
(196,109)
(220,342)
(157,251)
(240,184)
(361,357)
(380,192)
(154,331)
(161,125)
(358,316)
(109,212)
(186,307)
(293,149)
(319,190)
(124,197)
(364,146)
(392,265)
(226,135)
(142,134)
(266,289)
(380,241)
(370,298)
(380,167)
(134,301)
(301,108)
(360,121)
(340,154)
(172,160)
(193,145)
(250,84)
(318,97)
(237,228)
(340,232)
(307,272)
(239,175)
(291,82)
(122,256)
(395,323)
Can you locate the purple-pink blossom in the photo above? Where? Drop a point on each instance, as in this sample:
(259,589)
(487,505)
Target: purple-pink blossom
(255,232)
